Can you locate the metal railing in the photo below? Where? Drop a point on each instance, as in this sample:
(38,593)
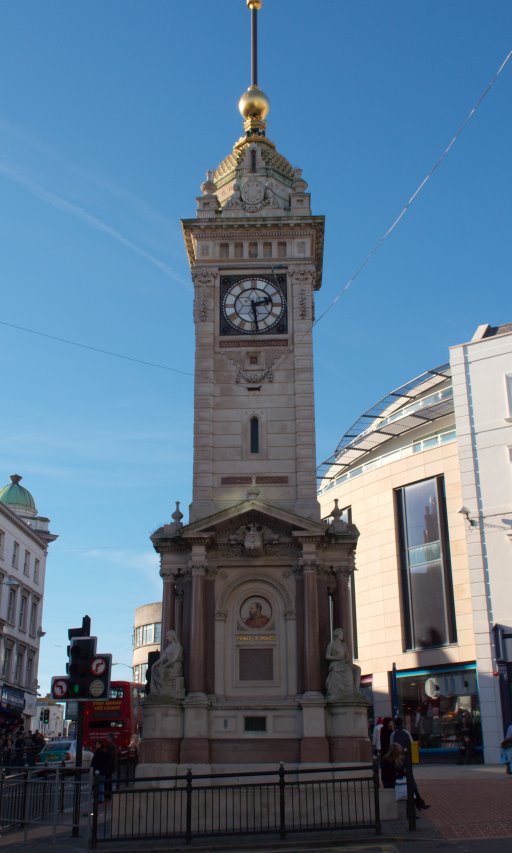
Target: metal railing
(278,802)
(51,797)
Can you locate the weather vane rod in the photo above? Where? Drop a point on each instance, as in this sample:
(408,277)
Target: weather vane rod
(254,6)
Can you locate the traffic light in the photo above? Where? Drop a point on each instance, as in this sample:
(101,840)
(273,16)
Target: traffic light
(99,685)
(41,716)
(46,716)
(82,653)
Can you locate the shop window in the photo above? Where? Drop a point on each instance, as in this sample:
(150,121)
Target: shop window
(427,595)
(440,707)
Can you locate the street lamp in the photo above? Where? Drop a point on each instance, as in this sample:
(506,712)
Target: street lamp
(12,583)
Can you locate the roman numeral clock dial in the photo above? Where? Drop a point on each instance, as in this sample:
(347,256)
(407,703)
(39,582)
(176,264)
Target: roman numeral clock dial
(253,305)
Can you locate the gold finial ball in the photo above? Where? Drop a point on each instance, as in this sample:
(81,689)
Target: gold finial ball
(254,4)
(254,103)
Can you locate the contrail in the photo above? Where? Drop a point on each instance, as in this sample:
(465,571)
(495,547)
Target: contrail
(61,203)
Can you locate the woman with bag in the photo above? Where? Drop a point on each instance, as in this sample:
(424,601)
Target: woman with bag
(393,775)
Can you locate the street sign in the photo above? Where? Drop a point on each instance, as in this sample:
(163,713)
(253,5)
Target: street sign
(59,687)
(98,666)
(97,688)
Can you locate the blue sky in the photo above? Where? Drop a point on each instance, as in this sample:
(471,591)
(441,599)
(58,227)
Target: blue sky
(110,115)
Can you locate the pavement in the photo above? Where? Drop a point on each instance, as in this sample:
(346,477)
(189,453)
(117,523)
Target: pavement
(469,804)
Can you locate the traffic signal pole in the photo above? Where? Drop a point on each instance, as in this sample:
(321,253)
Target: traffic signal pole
(78,770)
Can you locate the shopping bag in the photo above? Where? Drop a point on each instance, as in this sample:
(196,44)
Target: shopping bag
(401,789)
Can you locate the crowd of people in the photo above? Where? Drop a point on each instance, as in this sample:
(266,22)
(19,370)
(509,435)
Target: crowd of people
(20,748)
(392,746)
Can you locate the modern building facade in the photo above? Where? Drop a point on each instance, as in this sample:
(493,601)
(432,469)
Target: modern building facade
(425,477)
(24,540)
(147,633)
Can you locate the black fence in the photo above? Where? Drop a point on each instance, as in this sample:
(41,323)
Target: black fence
(50,797)
(275,802)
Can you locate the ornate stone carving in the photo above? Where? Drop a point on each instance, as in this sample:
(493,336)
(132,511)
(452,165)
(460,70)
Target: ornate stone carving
(304,275)
(202,279)
(344,676)
(167,673)
(254,196)
(253,539)
(302,305)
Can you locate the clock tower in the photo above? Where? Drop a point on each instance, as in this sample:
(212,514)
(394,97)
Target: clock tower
(255,582)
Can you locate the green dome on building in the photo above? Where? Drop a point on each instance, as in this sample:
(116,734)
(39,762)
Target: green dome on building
(18,498)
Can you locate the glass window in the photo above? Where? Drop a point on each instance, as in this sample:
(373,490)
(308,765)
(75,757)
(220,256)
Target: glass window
(6,669)
(11,606)
(255,435)
(425,565)
(239,250)
(158,632)
(224,250)
(33,618)
(18,667)
(508,383)
(22,618)
(281,250)
(253,250)
(37,566)
(441,709)
(26,563)
(2,542)
(267,250)
(29,674)
(15,554)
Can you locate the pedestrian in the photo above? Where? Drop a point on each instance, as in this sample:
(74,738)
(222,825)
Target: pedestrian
(401,737)
(99,765)
(376,737)
(506,751)
(111,765)
(385,735)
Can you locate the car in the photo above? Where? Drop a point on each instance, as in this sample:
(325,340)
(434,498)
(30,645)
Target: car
(61,752)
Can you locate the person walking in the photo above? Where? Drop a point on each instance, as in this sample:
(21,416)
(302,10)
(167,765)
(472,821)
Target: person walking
(111,765)
(385,735)
(402,738)
(376,737)
(99,765)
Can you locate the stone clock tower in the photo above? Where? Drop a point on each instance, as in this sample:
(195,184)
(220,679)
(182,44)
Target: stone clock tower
(255,583)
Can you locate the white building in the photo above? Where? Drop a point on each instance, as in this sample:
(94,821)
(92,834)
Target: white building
(146,637)
(425,476)
(24,539)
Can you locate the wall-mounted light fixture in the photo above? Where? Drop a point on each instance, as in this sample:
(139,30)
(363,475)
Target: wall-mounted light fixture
(471,521)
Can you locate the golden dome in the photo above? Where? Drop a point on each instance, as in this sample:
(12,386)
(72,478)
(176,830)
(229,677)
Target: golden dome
(254,103)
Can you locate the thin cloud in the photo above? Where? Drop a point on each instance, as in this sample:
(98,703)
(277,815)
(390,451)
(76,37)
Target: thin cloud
(60,203)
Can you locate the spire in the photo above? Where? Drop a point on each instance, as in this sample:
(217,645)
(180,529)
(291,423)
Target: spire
(254,104)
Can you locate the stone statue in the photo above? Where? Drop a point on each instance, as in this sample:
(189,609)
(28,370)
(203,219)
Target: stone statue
(344,676)
(167,673)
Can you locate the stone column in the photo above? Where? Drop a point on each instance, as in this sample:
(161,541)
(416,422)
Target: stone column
(168,595)
(195,747)
(314,746)
(312,675)
(197,681)
(343,609)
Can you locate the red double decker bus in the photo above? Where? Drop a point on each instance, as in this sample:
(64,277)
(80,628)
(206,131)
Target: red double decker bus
(120,715)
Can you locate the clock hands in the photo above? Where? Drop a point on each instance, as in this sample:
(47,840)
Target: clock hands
(254,305)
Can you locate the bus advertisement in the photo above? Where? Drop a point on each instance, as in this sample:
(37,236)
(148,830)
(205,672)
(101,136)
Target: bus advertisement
(120,715)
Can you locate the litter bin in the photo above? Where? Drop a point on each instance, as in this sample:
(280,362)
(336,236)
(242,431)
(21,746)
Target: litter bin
(415,752)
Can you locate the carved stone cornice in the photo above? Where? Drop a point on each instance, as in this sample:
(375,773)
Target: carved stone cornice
(199,568)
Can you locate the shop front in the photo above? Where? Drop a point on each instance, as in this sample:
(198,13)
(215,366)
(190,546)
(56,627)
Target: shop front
(12,705)
(440,707)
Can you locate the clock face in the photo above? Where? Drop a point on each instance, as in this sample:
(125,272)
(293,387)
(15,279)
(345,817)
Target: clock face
(253,306)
